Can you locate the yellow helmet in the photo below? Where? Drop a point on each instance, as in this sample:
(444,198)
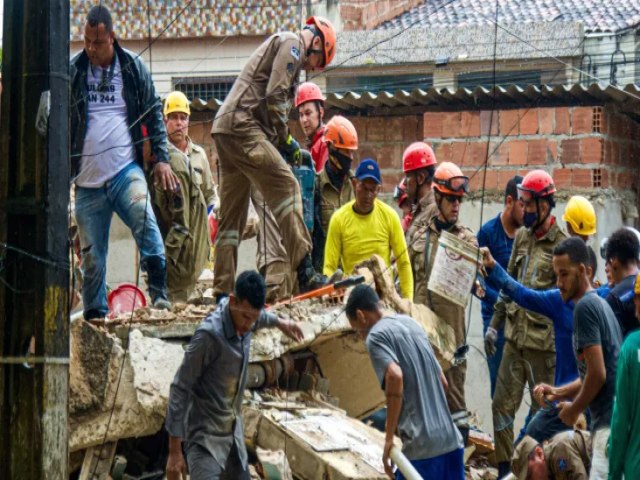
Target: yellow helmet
(636,287)
(176,102)
(581,215)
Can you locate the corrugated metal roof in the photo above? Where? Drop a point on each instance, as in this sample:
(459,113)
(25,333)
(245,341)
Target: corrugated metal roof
(458,44)
(597,15)
(480,97)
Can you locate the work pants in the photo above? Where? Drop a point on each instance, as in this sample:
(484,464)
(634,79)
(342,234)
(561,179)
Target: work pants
(202,465)
(448,466)
(246,163)
(494,360)
(127,195)
(512,377)
(271,256)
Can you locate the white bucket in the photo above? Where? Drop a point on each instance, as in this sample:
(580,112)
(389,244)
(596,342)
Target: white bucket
(454,269)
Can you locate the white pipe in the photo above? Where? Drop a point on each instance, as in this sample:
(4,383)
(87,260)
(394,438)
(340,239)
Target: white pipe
(403,464)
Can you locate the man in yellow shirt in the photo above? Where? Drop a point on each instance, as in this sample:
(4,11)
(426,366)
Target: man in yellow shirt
(367,226)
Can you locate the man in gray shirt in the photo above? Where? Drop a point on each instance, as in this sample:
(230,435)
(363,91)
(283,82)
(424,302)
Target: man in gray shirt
(206,393)
(414,386)
(596,344)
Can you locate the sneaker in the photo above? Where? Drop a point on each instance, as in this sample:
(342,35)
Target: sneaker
(161,304)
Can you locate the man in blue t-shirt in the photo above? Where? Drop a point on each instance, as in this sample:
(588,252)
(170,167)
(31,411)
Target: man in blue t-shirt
(414,386)
(497,235)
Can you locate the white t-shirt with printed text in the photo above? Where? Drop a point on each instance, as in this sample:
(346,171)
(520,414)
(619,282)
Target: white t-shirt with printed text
(108,146)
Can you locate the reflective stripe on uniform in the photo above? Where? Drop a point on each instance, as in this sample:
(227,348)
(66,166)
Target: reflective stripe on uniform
(228,238)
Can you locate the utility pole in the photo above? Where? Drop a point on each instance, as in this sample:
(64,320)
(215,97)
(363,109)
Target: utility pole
(34,258)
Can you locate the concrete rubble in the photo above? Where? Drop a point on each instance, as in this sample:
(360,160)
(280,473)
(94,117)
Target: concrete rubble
(137,380)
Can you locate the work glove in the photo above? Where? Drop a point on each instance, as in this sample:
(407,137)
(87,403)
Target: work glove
(490,339)
(291,151)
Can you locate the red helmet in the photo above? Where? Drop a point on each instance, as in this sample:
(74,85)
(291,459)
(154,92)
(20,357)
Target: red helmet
(536,184)
(449,180)
(328,35)
(417,155)
(308,92)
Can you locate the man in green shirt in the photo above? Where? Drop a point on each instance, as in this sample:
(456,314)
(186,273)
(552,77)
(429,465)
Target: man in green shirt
(624,446)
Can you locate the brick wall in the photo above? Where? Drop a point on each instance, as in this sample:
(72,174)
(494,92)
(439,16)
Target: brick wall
(582,147)
(368,14)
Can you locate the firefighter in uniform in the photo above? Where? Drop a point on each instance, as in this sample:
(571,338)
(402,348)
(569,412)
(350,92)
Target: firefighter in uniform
(450,186)
(310,106)
(419,165)
(567,456)
(333,187)
(182,214)
(529,347)
(249,132)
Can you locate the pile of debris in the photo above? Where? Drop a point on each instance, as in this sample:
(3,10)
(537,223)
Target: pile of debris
(302,399)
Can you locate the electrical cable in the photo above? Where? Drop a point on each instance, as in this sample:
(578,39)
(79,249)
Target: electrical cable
(137,283)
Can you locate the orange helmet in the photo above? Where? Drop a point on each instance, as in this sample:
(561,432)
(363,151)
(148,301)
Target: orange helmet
(328,35)
(536,184)
(417,155)
(308,92)
(340,133)
(449,180)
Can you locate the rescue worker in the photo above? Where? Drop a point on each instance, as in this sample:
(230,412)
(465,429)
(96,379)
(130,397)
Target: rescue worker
(182,213)
(449,186)
(249,132)
(367,226)
(580,217)
(529,336)
(310,106)
(567,456)
(419,165)
(624,443)
(400,196)
(333,186)
(497,235)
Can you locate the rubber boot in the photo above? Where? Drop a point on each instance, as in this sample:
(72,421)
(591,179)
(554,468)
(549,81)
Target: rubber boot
(157,278)
(308,278)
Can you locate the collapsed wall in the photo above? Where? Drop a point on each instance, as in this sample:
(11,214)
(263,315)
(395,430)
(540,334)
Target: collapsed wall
(118,392)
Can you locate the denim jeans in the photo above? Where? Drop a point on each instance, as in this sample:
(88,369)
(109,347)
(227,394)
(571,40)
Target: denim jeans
(127,195)
(494,361)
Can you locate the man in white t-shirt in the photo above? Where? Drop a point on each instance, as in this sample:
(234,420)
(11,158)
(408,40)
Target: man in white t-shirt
(112,95)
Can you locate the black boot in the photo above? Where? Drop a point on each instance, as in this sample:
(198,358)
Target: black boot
(464,431)
(157,278)
(504,469)
(308,278)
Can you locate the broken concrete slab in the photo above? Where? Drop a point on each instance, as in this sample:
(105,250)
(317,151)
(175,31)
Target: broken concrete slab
(320,442)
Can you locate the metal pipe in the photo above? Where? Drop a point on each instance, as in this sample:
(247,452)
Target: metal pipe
(403,464)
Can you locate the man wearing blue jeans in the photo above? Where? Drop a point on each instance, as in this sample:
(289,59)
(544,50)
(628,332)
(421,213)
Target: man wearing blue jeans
(497,235)
(414,386)
(111,96)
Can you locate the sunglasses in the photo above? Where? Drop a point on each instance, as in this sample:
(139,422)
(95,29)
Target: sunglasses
(453,198)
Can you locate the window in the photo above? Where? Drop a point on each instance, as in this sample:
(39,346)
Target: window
(204,88)
(378,83)
(522,78)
